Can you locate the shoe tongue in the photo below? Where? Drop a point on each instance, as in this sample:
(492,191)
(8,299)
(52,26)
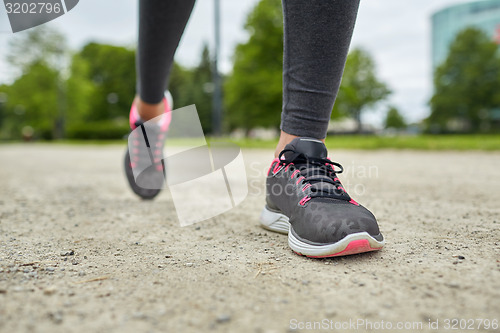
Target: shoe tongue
(308,146)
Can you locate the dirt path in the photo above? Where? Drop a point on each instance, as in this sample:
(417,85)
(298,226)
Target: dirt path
(79,253)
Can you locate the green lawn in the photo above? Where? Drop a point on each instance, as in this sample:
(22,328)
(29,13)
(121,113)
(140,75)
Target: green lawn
(420,142)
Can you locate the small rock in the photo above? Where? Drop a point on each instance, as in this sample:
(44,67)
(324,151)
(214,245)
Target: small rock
(139,315)
(461,257)
(50,269)
(51,290)
(82,273)
(331,313)
(188,264)
(224,318)
(56,317)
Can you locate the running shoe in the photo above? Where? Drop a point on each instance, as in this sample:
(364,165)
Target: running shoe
(306,200)
(144,155)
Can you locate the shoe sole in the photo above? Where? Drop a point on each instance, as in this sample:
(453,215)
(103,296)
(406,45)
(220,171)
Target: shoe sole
(351,244)
(145,194)
(274,221)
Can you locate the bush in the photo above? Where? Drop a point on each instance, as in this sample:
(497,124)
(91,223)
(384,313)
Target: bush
(103,130)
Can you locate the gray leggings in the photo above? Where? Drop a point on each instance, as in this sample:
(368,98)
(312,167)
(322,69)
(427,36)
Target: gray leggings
(317,34)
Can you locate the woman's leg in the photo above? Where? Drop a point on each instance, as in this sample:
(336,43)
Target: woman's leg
(161,24)
(317,35)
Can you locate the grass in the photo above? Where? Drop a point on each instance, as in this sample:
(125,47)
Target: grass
(485,142)
(418,142)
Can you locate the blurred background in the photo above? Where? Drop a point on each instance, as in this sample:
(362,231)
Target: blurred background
(418,74)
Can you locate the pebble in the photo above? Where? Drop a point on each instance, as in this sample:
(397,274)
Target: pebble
(50,269)
(51,290)
(188,264)
(461,257)
(331,313)
(56,317)
(224,318)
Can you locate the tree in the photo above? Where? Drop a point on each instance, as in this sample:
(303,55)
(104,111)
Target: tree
(33,101)
(253,92)
(36,97)
(194,86)
(394,119)
(466,84)
(360,88)
(80,90)
(111,69)
(39,45)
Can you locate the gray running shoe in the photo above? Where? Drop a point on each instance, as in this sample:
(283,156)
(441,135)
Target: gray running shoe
(306,200)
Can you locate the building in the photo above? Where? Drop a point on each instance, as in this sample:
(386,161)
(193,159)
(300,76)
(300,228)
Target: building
(447,22)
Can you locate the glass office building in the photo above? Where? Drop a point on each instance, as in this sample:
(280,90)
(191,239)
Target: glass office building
(447,22)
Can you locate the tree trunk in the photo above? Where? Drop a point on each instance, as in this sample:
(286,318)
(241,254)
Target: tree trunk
(357,117)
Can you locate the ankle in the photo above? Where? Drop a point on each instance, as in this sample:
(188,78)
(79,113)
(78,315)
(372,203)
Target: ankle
(285,139)
(148,111)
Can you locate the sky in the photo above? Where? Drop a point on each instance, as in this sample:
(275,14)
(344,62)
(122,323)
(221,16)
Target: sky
(396,33)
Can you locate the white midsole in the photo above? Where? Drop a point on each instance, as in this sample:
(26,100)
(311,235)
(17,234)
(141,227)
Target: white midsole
(274,221)
(329,249)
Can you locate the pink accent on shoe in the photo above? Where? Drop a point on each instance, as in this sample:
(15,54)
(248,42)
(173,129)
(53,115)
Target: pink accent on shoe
(306,187)
(133,116)
(341,188)
(335,179)
(354,202)
(294,173)
(276,160)
(354,247)
(300,179)
(304,200)
(165,120)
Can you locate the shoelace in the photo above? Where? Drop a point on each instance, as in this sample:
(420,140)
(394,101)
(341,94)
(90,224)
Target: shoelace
(318,174)
(154,141)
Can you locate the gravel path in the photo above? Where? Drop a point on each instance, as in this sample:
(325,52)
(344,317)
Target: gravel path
(80,253)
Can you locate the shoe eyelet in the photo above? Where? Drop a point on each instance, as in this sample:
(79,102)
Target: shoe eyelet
(304,201)
(277,170)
